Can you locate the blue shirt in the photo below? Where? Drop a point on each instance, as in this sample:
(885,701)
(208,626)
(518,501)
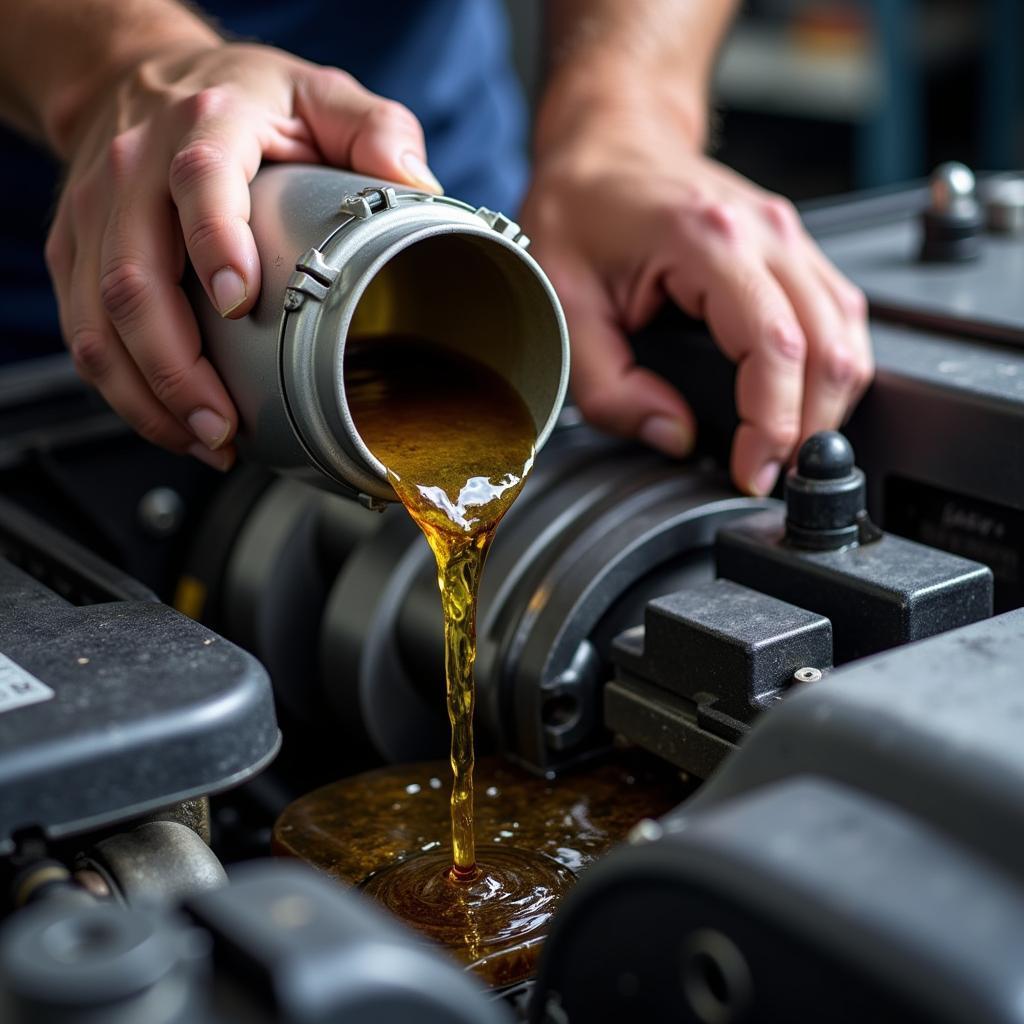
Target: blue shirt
(447,60)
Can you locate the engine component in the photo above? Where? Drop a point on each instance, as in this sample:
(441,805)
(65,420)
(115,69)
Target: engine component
(1004,203)
(877,589)
(841,866)
(280,944)
(600,529)
(111,704)
(953,220)
(310,951)
(722,638)
(345,254)
(65,963)
(158,861)
(710,658)
(705,662)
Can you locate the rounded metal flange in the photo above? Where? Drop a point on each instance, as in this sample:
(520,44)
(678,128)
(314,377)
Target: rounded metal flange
(314,334)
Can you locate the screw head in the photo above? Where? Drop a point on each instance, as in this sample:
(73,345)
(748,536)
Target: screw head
(807,675)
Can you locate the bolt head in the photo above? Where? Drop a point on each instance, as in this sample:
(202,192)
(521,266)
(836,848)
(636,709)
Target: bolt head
(807,675)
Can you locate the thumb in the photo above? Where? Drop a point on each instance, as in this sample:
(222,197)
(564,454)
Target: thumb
(361,131)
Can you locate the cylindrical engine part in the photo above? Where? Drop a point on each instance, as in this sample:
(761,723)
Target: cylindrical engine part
(158,861)
(600,528)
(343,255)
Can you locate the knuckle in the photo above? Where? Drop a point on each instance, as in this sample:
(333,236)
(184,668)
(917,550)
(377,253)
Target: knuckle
(194,164)
(121,156)
(338,77)
(386,113)
(853,302)
(782,433)
(206,230)
(80,199)
(722,220)
(167,380)
(57,253)
(213,101)
(781,214)
(124,289)
(90,352)
(785,340)
(839,366)
(598,407)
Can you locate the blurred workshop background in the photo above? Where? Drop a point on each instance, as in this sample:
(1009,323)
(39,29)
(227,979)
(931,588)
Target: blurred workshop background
(817,97)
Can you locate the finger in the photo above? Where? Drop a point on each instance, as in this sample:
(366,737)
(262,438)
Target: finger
(613,393)
(209,179)
(59,253)
(831,373)
(853,306)
(141,263)
(755,325)
(101,360)
(97,352)
(357,129)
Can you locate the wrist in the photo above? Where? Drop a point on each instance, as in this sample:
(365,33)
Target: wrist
(607,97)
(68,108)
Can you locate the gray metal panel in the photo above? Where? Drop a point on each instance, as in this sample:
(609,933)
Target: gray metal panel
(981,297)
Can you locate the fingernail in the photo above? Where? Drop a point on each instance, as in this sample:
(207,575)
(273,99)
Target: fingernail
(217,460)
(671,436)
(210,427)
(765,477)
(228,290)
(421,173)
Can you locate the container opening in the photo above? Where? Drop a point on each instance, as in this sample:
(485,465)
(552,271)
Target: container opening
(472,294)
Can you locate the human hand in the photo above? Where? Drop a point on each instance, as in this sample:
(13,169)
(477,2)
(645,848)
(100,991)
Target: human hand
(161,170)
(625,214)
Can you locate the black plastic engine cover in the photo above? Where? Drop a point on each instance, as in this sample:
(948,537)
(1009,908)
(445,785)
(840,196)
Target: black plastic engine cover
(858,858)
(109,710)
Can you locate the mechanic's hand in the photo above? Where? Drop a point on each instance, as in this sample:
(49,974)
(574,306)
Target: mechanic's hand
(624,216)
(163,169)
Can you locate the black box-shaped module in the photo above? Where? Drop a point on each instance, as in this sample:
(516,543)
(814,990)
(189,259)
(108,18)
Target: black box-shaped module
(880,594)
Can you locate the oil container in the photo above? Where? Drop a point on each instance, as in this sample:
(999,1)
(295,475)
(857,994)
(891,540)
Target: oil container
(345,256)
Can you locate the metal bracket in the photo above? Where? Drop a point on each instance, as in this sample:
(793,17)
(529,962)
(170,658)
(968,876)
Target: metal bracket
(312,278)
(367,202)
(503,225)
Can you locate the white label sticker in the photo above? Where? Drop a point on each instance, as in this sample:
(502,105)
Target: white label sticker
(18,687)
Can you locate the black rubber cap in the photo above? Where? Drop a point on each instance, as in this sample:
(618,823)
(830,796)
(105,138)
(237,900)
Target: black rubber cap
(952,238)
(825,494)
(826,455)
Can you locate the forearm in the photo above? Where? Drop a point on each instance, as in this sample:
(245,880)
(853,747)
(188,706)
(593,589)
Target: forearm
(607,56)
(57,56)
